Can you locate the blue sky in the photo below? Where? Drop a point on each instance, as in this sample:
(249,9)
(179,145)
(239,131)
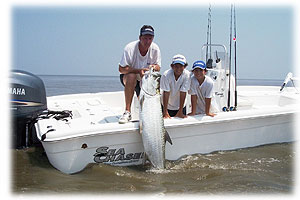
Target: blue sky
(86,40)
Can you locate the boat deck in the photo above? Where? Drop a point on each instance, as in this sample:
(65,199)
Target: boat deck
(99,113)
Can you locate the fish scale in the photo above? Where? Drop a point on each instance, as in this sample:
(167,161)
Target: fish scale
(153,131)
(152,124)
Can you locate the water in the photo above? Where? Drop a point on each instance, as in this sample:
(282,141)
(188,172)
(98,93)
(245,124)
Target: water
(59,85)
(266,169)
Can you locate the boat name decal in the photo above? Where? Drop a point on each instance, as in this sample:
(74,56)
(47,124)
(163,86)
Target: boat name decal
(221,94)
(17,91)
(117,156)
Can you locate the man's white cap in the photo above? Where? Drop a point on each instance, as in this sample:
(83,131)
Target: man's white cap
(179,59)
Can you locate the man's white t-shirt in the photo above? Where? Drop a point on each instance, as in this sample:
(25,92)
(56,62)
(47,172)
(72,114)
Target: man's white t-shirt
(169,84)
(133,58)
(205,90)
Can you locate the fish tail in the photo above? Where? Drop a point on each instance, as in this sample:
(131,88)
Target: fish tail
(168,138)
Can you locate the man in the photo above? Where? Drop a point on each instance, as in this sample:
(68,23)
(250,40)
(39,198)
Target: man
(175,83)
(201,90)
(138,57)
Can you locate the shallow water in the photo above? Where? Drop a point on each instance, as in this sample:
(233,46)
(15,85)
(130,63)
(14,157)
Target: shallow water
(259,170)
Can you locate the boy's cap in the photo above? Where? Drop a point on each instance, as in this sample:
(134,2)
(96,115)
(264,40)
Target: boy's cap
(179,59)
(199,64)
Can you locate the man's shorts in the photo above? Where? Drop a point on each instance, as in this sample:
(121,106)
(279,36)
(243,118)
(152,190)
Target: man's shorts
(137,87)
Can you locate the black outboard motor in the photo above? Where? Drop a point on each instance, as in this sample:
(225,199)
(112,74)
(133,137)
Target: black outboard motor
(28,100)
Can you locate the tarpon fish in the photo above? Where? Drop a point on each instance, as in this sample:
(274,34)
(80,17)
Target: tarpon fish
(154,134)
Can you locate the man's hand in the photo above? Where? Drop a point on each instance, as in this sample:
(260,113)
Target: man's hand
(142,71)
(155,67)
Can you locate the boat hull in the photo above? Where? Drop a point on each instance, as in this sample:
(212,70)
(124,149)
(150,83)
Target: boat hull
(73,155)
(89,138)
(230,134)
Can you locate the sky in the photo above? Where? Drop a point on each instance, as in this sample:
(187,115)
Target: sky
(89,40)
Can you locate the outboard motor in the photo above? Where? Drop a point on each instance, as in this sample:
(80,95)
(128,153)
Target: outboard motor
(28,100)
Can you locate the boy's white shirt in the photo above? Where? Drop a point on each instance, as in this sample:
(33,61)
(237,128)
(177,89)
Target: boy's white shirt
(169,84)
(205,90)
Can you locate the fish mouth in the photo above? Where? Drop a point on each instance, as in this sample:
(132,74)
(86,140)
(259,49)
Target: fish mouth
(151,82)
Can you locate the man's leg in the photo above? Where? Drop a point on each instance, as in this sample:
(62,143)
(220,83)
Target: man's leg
(130,83)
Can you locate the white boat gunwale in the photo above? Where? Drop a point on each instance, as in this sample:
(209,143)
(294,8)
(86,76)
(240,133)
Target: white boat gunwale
(178,123)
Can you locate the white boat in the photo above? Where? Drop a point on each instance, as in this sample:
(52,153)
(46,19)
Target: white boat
(264,115)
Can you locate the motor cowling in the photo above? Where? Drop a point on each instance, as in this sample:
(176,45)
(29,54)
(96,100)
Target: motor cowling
(28,100)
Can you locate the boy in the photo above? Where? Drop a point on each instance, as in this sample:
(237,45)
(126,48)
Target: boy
(201,90)
(175,83)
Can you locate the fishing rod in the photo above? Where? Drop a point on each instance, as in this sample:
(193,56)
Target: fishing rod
(210,31)
(209,60)
(207,36)
(229,75)
(234,39)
